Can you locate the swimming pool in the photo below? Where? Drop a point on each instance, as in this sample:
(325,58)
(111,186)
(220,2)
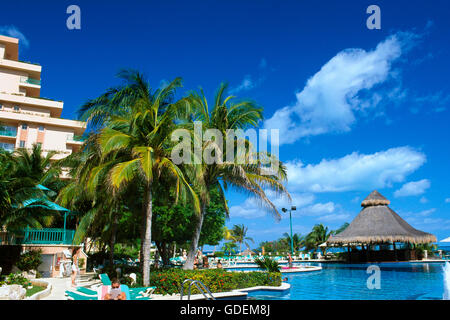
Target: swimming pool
(398,281)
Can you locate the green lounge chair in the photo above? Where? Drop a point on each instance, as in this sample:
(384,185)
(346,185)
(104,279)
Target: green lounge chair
(135,293)
(75,296)
(87,291)
(105,279)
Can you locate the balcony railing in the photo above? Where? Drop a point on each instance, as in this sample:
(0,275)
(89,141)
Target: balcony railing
(38,236)
(8,133)
(30,81)
(76,138)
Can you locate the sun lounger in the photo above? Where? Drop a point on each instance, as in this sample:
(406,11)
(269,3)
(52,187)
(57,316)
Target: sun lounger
(87,291)
(105,279)
(77,296)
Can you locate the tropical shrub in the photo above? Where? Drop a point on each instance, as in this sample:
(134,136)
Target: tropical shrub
(168,281)
(16,278)
(267,264)
(29,260)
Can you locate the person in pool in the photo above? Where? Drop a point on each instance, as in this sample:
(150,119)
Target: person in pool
(115,293)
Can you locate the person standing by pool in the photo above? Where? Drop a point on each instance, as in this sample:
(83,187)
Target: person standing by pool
(75,268)
(219,264)
(290,260)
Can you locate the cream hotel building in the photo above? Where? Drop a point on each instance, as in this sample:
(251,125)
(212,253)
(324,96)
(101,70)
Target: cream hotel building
(25,117)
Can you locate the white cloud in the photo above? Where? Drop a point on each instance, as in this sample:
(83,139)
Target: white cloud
(12,31)
(304,203)
(331,97)
(246,84)
(413,188)
(355,171)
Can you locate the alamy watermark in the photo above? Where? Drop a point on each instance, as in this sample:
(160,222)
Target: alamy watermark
(73,22)
(374,280)
(374,20)
(240,147)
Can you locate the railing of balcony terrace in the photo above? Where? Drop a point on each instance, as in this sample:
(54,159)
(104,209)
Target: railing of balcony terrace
(39,236)
(30,81)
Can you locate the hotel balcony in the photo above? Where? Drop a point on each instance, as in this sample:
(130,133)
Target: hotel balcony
(74,139)
(7,133)
(37,236)
(32,86)
(55,107)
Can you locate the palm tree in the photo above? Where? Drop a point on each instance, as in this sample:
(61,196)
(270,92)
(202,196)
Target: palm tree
(228,234)
(317,236)
(240,236)
(134,143)
(229,247)
(35,165)
(297,239)
(341,228)
(226,114)
(20,174)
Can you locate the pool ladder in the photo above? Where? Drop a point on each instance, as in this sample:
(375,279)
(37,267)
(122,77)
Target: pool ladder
(202,288)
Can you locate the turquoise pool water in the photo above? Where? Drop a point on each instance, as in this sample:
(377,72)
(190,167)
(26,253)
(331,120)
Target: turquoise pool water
(399,281)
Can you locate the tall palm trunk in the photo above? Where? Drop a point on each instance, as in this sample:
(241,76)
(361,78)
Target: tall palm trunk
(112,240)
(147,241)
(189,265)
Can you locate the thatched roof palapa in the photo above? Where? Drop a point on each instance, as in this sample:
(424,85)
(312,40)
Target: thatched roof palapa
(377,223)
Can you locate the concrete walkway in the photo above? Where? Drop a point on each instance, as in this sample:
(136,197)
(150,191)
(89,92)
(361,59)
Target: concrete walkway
(59,286)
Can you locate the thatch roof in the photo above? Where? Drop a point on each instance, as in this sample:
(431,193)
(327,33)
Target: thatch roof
(377,223)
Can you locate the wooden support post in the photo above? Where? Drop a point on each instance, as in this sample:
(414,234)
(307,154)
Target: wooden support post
(395,251)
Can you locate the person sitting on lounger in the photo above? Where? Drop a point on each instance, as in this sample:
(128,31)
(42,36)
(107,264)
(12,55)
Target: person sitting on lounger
(115,293)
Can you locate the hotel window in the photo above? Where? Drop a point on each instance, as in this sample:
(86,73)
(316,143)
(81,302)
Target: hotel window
(16,108)
(22,144)
(24,126)
(41,128)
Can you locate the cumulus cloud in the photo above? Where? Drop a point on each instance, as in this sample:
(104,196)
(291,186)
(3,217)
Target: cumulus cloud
(355,171)
(332,96)
(305,204)
(14,32)
(413,188)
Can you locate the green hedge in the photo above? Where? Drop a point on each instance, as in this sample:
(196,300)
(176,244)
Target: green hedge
(168,281)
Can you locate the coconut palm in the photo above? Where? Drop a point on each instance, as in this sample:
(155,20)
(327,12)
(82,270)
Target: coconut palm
(240,236)
(15,189)
(33,164)
(297,239)
(228,234)
(317,236)
(135,145)
(226,114)
(229,247)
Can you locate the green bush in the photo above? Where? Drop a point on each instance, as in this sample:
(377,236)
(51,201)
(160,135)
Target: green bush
(16,278)
(168,281)
(29,260)
(219,254)
(267,264)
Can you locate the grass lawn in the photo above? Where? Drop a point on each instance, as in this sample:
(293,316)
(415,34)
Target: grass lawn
(34,290)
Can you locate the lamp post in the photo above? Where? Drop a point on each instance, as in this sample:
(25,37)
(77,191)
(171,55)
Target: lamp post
(290,223)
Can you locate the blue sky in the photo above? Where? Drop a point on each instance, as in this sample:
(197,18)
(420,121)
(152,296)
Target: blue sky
(358,109)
